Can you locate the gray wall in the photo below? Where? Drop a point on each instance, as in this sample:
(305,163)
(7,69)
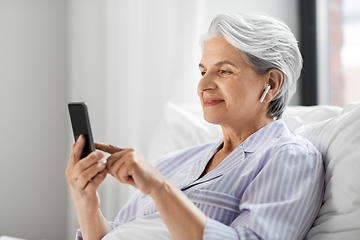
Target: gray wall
(33,122)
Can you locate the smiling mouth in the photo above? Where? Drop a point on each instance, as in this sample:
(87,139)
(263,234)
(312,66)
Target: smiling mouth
(209,103)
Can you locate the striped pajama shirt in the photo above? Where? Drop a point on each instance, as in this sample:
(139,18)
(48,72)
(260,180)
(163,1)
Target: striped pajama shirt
(269,187)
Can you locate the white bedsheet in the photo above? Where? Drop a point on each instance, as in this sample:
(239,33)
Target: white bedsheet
(149,227)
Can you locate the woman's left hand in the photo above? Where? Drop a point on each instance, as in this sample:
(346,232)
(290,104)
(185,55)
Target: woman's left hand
(129,167)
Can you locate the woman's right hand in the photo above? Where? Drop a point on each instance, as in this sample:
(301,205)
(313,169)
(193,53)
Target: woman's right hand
(84,177)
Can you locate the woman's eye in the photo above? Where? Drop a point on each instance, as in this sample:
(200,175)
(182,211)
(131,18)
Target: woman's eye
(203,73)
(224,72)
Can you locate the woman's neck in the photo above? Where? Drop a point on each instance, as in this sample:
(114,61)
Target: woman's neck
(234,136)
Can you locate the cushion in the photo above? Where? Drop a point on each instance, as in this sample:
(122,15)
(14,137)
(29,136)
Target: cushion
(187,126)
(338,140)
(181,127)
(297,116)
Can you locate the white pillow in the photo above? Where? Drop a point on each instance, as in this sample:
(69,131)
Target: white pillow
(312,113)
(338,139)
(297,116)
(187,126)
(149,227)
(181,127)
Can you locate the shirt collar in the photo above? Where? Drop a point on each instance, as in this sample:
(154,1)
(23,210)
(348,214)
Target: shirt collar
(258,140)
(264,136)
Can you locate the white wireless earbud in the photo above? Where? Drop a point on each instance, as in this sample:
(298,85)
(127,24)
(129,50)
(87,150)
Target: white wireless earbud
(265,92)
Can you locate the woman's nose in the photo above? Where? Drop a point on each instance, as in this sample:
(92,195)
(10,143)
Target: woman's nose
(206,83)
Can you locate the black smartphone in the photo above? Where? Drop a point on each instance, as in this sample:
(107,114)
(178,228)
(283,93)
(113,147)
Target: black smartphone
(80,122)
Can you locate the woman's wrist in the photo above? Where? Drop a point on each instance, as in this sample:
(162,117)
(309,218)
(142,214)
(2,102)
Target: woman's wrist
(93,225)
(158,187)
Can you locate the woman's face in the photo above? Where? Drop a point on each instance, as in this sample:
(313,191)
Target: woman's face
(230,89)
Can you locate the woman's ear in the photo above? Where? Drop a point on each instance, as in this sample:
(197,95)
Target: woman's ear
(275,79)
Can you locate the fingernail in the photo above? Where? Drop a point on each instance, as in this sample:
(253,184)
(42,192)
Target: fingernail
(103,162)
(98,154)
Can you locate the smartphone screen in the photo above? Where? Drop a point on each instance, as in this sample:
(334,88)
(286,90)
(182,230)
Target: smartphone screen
(81,125)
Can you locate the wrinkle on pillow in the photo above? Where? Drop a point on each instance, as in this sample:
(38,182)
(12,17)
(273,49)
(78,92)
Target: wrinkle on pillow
(309,114)
(297,116)
(338,140)
(147,228)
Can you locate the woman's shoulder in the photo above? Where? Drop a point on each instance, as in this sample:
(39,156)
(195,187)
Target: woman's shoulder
(281,143)
(274,136)
(290,147)
(295,140)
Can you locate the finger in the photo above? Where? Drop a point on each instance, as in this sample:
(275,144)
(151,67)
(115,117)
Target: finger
(92,159)
(95,182)
(124,174)
(114,163)
(120,170)
(89,174)
(107,148)
(117,157)
(123,166)
(77,150)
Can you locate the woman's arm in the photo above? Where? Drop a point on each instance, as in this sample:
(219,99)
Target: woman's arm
(84,177)
(183,219)
(93,225)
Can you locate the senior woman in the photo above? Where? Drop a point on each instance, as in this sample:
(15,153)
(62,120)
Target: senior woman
(258,182)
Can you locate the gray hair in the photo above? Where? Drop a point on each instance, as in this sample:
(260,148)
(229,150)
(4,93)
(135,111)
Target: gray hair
(265,43)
